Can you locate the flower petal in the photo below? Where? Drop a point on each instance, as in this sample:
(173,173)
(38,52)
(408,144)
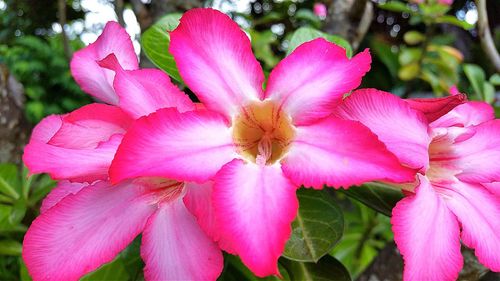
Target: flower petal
(338,153)
(312,80)
(467,114)
(175,248)
(215,59)
(88,126)
(402,129)
(479,155)
(47,128)
(198,201)
(493,187)
(82,165)
(190,146)
(92,78)
(63,189)
(427,235)
(144,91)
(254,207)
(434,108)
(85,230)
(478,212)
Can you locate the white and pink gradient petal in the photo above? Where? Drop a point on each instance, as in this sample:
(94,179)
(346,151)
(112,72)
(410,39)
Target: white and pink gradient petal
(47,128)
(312,80)
(254,206)
(198,201)
(478,211)
(63,189)
(427,234)
(339,152)
(215,59)
(144,91)
(403,130)
(468,114)
(85,230)
(189,146)
(175,248)
(92,78)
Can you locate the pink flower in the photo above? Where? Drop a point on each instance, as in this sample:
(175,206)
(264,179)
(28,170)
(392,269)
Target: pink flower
(86,221)
(258,146)
(320,10)
(456,196)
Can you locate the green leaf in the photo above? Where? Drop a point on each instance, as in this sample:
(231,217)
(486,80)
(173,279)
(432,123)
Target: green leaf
(413,37)
(10,248)
(476,77)
(433,10)
(384,53)
(316,229)
(114,270)
(409,71)
(453,20)
(234,269)
(409,55)
(378,196)
(156,40)
(23,271)
(489,92)
(495,79)
(305,34)
(328,269)
(395,6)
(9,181)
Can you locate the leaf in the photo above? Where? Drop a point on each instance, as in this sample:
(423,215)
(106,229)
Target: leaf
(114,270)
(395,6)
(476,77)
(10,248)
(378,196)
(409,55)
(413,37)
(495,79)
(409,71)
(384,53)
(305,34)
(328,269)
(234,269)
(453,20)
(156,40)
(316,229)
(23,271)
(9,181)
(489,92)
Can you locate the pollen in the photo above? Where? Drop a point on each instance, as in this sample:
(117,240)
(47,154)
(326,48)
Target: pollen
(262,132)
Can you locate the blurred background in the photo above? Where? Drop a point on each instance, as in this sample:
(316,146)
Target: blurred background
(419,49)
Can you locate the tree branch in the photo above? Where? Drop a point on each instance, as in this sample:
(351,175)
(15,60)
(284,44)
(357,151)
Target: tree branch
(61,9)
(485,35)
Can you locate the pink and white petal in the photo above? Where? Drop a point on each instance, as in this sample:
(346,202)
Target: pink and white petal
(47,128)
(92,78)
(493,187)
(403,130)
(63,189)
(198,201)
(175,248)
(88,126)
(434,108)
(85,230)
(339,152)
(427,235)
(478,211)
(81,165)
(312,80)
(215,59)
(254,206)
(144,91)
(479,155)
(189,146)
(467,114)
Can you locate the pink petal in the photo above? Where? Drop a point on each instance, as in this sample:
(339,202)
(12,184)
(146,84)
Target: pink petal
(493,187)
(198,201)
(88,126)
(85,230)
(175,248)
(190,146)
(82,165)
(338,153)
(312,80)
(467,114)
(434,108)
(63,189)
(479,155)
(144,91)
(478,212)
(47,128)
(95,80)
(427,235)
(254,206)
(402,129)
(215,59)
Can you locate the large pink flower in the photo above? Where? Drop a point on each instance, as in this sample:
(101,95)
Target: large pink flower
(456,195)
(258,146)
(86,221)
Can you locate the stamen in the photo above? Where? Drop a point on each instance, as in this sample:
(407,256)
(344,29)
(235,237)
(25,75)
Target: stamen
(265,148)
